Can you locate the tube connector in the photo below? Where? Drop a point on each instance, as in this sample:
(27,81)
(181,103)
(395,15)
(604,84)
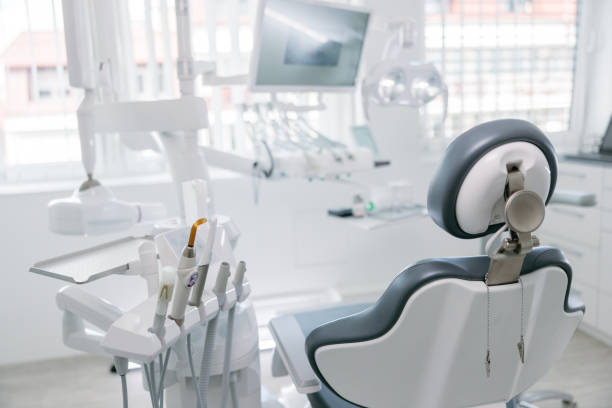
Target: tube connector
(221,283)
(239,278)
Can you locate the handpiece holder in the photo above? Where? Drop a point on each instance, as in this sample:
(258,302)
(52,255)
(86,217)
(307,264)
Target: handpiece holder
(239,278)
(221,284)
(524,213)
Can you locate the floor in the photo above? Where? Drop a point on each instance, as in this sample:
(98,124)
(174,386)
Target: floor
(85,381)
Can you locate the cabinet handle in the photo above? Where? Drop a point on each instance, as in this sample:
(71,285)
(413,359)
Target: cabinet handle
(573,174)
(566,211)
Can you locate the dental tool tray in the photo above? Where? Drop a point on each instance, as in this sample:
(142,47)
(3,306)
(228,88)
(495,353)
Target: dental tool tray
(92,263)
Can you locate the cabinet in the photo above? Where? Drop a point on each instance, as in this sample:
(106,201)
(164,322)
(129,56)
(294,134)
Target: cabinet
(585,237)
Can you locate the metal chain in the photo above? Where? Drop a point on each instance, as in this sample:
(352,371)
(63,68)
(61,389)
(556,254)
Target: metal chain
(488,355)
(521,343)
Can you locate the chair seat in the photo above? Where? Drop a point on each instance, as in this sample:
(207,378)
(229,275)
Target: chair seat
(308,321)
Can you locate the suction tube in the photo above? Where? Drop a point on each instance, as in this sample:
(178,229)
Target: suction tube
(211,332)
(227,358)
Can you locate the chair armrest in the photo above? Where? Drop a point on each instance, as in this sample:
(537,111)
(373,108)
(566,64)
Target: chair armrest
(290,345)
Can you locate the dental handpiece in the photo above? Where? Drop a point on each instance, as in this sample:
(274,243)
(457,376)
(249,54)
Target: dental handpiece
(186,277)
(166,288)
(196,293)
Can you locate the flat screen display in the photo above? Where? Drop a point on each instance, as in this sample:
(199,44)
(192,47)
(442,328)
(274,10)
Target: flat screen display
(606,143)
(304,45)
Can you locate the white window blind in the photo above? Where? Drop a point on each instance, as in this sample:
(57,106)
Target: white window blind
(505,58)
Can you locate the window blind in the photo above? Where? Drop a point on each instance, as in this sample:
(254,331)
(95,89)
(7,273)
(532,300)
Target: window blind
(505,58)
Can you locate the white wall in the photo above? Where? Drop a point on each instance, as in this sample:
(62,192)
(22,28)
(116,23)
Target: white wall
(288,242)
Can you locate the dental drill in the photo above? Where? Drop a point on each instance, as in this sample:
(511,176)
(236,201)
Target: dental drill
(186,276)
(225,382)
(220,291)
(166,288)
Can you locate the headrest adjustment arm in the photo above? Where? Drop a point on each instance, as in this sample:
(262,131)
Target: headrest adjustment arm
(524,213)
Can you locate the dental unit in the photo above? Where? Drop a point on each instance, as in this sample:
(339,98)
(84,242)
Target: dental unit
(196,334)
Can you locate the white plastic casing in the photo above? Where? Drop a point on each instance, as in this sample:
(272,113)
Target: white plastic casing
(96,211)
(480,201)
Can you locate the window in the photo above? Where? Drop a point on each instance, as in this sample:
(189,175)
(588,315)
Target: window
(505,58)
(38,127)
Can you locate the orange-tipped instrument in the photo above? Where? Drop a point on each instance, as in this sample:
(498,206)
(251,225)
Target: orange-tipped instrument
(186,276)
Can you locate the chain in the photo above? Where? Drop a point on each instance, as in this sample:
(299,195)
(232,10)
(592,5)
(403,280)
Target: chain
(521,343)
(488,355)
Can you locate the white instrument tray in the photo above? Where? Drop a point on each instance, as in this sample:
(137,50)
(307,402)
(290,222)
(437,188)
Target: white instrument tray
(92,263)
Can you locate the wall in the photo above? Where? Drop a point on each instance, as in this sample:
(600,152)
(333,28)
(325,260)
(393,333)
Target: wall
(288,241)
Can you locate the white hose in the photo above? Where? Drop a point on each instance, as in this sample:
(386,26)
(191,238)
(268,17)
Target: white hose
(124,391)
(194,379)
(225,380)
(233,391)
(209,347)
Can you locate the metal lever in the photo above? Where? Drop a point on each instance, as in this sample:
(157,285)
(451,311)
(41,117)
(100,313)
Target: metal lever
(524,213)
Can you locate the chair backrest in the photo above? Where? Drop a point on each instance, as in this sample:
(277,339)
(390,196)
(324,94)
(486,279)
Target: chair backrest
(470,331)
(424,343)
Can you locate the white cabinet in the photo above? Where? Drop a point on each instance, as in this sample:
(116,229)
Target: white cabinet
(585,237)
(580,177)
(590,298)
(574,224)
(604,317)
(584,259)
(605,260)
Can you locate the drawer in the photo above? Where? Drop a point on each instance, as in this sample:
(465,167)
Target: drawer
(606,221)
(580,177)
(608,177)
(577,224)
(604,317)
(605,201)
(584,260)
(590,298)
(605,260)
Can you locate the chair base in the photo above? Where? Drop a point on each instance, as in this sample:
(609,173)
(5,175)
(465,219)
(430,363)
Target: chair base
(527,399)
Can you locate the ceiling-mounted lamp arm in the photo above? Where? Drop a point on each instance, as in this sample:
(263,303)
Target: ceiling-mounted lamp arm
(402,36)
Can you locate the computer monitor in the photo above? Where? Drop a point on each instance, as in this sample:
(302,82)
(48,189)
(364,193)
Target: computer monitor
(307,46)
(606,142)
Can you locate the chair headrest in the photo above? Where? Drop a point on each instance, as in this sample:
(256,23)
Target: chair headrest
(466,197)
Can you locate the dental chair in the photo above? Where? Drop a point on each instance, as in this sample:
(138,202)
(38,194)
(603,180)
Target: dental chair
(452,332)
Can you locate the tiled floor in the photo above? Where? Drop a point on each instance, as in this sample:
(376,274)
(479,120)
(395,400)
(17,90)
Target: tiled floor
(585,371)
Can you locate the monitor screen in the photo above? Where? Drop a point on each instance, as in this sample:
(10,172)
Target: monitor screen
(301,45)
(606,143)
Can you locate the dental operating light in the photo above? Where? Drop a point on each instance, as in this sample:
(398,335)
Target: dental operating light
(397,81)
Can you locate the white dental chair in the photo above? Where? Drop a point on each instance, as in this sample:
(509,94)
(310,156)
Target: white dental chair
(452,332)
